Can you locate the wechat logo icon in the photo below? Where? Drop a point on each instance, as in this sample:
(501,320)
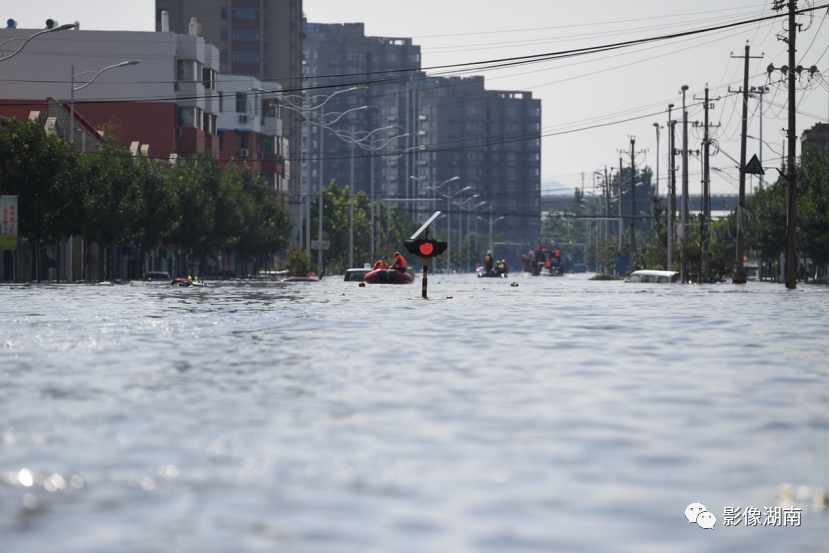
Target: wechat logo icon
(696,512)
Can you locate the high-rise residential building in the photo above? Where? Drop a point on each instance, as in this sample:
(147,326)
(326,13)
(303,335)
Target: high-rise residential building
(255,38)
(447,127)
(338,57)
(491,140)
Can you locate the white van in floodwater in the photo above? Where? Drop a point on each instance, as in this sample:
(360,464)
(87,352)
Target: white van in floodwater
(653,277)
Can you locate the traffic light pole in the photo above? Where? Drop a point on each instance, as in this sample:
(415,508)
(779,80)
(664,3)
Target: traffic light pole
(425,248)
(425,277)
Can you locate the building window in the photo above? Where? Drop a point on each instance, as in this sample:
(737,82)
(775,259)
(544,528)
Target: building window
(223,55)
(188,70)
(246,13)
(208,78)
(224,13)
(245,57)
(187,117)
(241,140)
(241,102)
(223,34)
(245,35)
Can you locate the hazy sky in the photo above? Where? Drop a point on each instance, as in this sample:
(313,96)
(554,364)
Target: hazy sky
(585,91)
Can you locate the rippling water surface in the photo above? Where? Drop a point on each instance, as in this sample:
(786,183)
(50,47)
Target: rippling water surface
(557,415)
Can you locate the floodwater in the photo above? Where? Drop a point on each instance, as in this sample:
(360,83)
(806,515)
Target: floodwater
(558,415)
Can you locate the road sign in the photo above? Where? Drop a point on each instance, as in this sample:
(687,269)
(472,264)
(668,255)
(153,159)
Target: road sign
(8,222)
(753,167)
(320,244)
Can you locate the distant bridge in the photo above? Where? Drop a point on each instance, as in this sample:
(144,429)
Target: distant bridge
(719,202)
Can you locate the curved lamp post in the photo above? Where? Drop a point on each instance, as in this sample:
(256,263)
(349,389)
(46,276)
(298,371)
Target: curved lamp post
(52,30)
(25,42)
(92,80)
(308,105)
(449,223)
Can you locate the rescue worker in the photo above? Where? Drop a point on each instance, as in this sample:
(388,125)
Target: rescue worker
(488,261)
(502,267)
(399,262)
(380,264)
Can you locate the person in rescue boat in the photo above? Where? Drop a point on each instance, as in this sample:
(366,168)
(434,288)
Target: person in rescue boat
(380,264)
(399,262)
(489,261)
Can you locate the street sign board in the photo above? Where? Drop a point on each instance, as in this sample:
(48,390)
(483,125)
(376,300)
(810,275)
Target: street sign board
(8,222)
(425,225)
(320,244)
(753,167)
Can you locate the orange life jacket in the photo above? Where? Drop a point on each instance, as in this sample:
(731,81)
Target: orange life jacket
(400,262)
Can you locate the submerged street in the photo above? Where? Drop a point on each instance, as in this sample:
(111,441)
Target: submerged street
(561,414)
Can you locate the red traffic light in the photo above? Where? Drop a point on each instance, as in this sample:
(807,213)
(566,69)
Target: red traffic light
(425,248)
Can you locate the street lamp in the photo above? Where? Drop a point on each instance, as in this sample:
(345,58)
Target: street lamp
(491,222)
(461,204)
(449,225)
(353,140)
(308,105)
(73,89)
(25,42)
(52,30)
(470,210)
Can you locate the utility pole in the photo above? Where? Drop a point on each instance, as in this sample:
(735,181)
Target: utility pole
(656,126)
(319,250)
(351,208)
(739,276)
(607,203)
(760,91)
(706,187)
(706,183)
(685,202)
(671,187)
(791,223)
(620,203)
(632,197)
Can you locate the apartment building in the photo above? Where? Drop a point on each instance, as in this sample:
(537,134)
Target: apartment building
(338,57)
(427,130)
(173,104)
(261,39)
(491,140)
(168,102)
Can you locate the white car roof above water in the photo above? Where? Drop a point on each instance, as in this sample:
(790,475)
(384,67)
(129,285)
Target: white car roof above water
(657,277)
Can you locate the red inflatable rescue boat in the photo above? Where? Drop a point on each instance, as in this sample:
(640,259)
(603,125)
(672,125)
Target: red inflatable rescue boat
(388,276)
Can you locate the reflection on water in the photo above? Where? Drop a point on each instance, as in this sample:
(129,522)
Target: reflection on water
(557,415)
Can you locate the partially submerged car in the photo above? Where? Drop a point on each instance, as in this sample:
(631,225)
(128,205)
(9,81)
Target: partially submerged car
(653,277)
